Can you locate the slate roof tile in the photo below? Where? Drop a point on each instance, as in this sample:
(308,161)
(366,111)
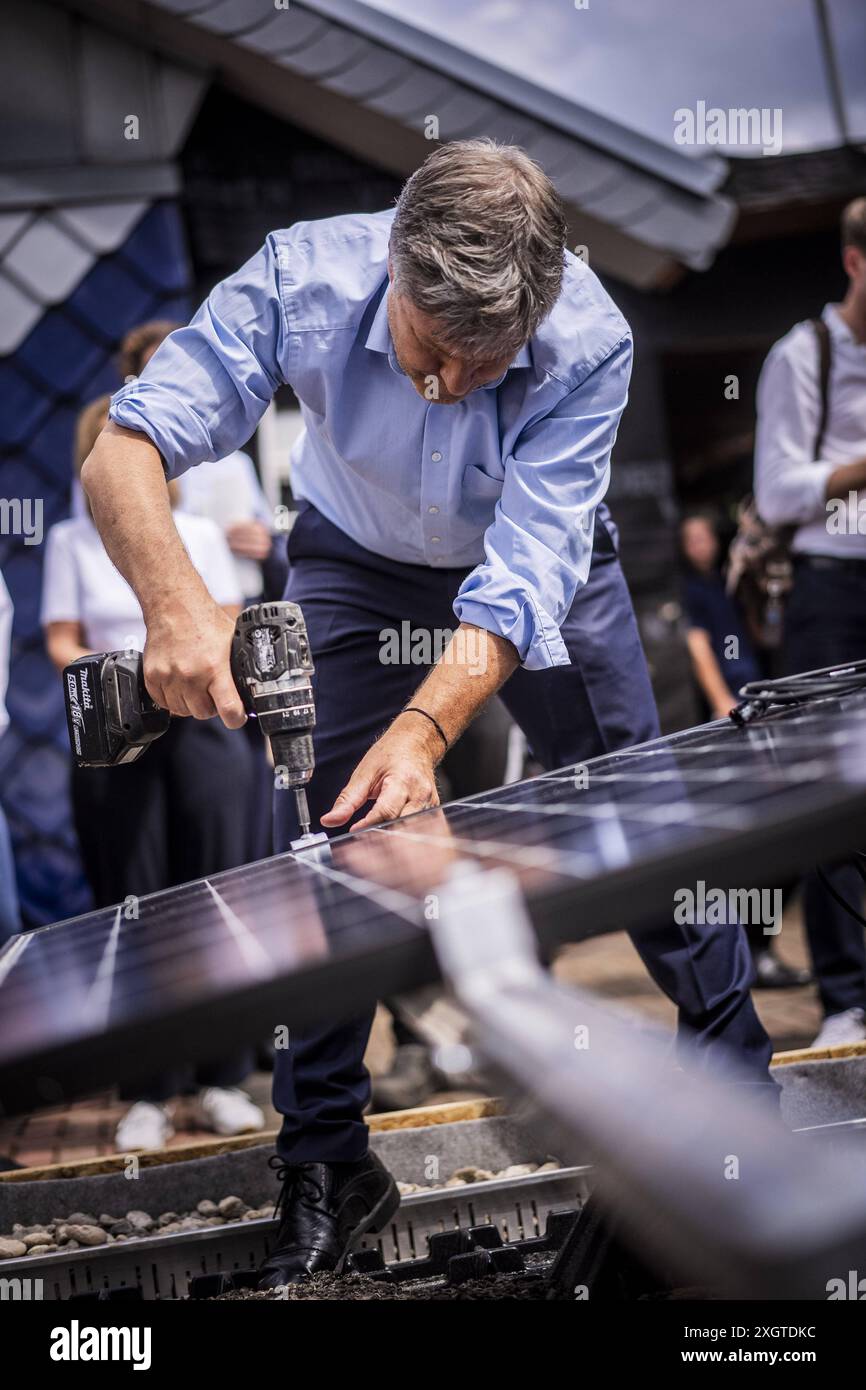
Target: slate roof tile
(11,225)
(47,261)
(19,313)
(101,226)
(110,298)
(60,354)
(157,251)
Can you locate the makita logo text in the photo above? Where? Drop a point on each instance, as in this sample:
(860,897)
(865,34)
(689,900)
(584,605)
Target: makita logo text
(86,697)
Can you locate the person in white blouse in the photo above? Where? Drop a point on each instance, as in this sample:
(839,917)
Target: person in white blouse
(10,921)
(810,475)
(164,819)
(229,493)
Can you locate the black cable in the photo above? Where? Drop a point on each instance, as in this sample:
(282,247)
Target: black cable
(757,697)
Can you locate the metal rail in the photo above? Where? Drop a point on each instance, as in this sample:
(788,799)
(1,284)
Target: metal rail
(698,1173)
(162,1266)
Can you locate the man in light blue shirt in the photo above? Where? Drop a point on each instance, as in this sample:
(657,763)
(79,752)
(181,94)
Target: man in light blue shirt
(503,483)
(461,379)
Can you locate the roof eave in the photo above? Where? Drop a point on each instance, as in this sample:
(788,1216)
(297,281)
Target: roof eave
(647,257)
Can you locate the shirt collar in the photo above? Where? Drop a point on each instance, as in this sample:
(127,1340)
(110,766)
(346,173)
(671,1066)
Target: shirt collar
(379,340)
(379,336)
(838,327)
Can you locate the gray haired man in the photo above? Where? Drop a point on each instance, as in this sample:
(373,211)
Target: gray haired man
(461,378)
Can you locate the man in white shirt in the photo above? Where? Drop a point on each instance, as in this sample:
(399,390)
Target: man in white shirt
(810,474)
(10,921)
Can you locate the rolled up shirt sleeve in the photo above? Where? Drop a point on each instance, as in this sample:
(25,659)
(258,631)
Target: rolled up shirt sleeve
(539,546)
(208,385)
(790,483)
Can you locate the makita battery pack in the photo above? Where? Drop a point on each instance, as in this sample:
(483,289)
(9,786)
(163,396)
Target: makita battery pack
(111,717)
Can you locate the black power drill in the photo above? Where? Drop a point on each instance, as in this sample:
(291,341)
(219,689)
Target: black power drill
(112,719)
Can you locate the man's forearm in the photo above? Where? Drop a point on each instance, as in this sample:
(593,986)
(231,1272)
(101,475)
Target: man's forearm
(397,774)
(186,658)
(125,485)
(472,668)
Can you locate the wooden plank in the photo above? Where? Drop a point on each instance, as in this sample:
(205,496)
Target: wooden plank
(450,1113)
(818,1054)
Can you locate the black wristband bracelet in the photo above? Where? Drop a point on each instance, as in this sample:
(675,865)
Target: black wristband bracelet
(414,709)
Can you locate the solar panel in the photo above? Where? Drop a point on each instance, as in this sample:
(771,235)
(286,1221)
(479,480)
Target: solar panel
(304,937)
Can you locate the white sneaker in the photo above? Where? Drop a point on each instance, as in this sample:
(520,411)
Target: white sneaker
(144,1126)
(228,1110)
(847,1027)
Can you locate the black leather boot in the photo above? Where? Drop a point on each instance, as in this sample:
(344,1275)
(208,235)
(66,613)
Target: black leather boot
(324,1209)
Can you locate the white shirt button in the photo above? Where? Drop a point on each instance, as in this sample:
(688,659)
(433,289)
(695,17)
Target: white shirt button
(436,456)
(433,510)
(435,539)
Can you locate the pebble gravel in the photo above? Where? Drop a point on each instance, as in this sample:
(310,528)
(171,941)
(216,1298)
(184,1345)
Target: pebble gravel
(83,1230)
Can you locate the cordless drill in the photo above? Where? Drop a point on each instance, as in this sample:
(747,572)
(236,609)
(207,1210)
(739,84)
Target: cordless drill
(112,719)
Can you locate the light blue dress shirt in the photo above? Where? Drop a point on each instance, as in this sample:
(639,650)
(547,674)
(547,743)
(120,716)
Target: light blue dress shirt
(504,484)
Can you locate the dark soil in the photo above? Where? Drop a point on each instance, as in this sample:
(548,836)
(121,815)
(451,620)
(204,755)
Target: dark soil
(358,1288)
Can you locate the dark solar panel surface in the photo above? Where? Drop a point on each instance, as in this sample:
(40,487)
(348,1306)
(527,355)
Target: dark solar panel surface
(300,938)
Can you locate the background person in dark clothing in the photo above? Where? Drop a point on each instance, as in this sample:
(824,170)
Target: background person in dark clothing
(723,660)
(719,646)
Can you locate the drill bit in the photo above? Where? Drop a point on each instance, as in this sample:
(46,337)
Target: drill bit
(303,810)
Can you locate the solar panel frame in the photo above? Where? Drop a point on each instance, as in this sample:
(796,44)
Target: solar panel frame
(351,939)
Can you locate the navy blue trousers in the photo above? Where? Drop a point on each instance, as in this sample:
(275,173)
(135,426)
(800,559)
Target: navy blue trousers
(826,624)
(601,702)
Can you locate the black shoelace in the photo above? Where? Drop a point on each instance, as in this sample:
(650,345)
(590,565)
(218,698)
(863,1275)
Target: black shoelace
(299,1183)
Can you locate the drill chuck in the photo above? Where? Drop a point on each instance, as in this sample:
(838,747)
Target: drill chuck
(273,670)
